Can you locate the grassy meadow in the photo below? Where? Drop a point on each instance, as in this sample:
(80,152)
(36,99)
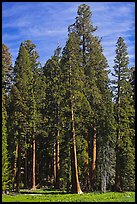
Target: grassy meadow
(59,196)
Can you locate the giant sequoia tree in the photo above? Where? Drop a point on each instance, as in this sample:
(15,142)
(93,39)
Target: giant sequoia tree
(73,92)
(124,114)
(23,110)
(61,126)
(97,127)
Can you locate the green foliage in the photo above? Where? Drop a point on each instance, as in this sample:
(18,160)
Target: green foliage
(124,115)
(6,71)
(7,74)
(5,155)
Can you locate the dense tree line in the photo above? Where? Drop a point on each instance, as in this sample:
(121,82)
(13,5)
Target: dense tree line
(66,125)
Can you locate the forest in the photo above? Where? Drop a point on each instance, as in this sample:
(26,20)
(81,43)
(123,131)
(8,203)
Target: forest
(67,125)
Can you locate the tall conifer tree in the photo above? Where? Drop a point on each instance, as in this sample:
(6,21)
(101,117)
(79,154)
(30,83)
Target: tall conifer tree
(52,71)
(71,68)
(94,65)
(124,115)
(5,155)
(23,105)
(6,85)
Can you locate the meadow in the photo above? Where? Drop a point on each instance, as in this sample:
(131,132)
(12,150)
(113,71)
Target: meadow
(60,196)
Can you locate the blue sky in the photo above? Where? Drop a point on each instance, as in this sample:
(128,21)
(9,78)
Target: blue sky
(46,23)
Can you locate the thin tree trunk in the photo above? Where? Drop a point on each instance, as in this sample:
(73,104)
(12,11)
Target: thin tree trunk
(29,167)
(83,49)
(75,181)
(26,169)
(93,161)
(94,150)
(34,165)
(57,160)
(94,154)
(103,171)
(117,176)
(15,166)
(86,176)
(89,157)
(54,165)
(18,174)
(68,179)
(86,167)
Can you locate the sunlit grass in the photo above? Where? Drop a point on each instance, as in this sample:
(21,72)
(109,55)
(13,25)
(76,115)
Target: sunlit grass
(59,196)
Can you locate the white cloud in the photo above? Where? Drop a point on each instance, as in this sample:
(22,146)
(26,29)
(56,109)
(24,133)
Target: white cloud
(46,24)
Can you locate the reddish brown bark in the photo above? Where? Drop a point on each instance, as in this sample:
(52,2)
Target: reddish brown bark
(93,164)
(54,158)
(94,151)
(75,180)
(56,161)
(92,157)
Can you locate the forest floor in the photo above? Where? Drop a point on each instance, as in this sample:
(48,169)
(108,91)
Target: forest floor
(60,196)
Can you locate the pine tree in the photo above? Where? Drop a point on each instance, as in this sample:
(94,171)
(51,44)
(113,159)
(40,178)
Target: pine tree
(5,155)
(52,72)
(6,70)
(124,115)
(23,107)
(7,73)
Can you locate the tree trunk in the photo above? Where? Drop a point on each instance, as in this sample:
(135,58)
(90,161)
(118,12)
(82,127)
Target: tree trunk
(56,161)
(18,174)
(75,181)
(26,169)
(86,167)
(117,176)
(94,155)
(54,165)
(94,150)
(83,42)
(103,171)
(86,176)
(34,165)
(92,158)
(15,166)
